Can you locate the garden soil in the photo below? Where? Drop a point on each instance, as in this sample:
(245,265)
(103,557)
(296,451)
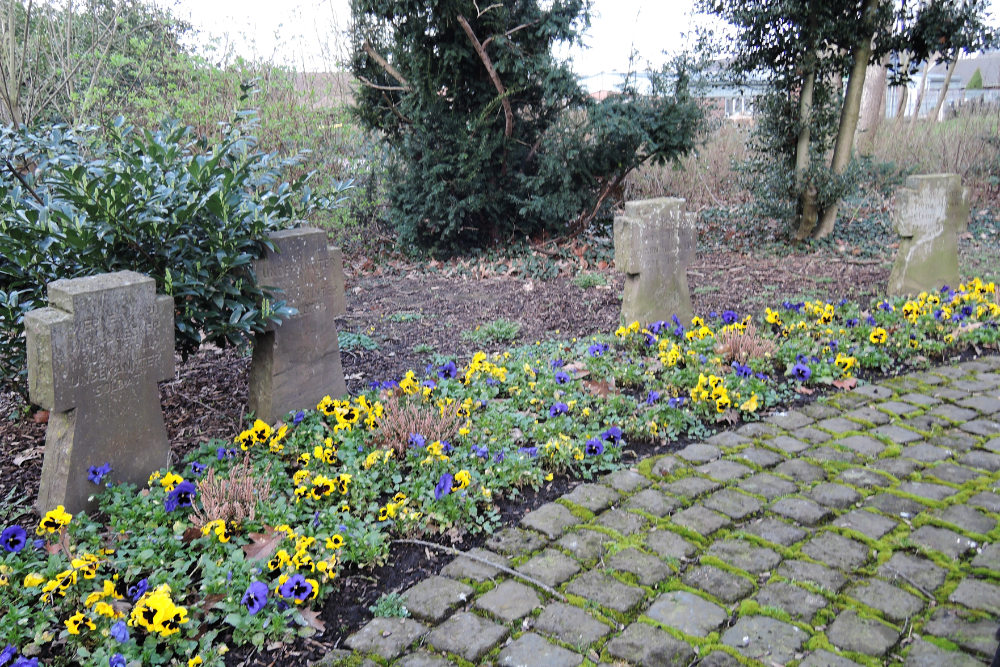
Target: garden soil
(407,315)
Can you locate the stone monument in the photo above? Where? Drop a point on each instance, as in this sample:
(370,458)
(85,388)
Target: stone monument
(655,240)
(297,363)
(930,213)
(94,358)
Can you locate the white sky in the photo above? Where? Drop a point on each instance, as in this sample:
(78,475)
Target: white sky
(306,33)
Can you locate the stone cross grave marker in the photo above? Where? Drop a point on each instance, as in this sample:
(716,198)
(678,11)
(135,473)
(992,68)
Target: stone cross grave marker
(930,213)
(94,358)
(655,240)
(297,363)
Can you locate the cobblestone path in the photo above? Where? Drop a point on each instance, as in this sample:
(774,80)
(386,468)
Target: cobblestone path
(862,529)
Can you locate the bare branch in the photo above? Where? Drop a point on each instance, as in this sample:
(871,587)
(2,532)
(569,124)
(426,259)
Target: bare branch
(480,12)
(509,32)
(507,109)
(372,84)
(27,187)
(384,64)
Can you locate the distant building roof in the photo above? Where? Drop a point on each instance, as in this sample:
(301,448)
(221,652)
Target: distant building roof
(988,65)
(328,89)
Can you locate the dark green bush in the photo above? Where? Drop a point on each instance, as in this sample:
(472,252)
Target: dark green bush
(192,215)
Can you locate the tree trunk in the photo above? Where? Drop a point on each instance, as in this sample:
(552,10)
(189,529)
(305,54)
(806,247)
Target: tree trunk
(920,94)
(849,114)
(807,196)
(904,90)
(872,108)
(944,89)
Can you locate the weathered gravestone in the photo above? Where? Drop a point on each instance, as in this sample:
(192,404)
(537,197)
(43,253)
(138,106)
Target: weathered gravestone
(94,358)
(930,213)
(655,240)
(297,363)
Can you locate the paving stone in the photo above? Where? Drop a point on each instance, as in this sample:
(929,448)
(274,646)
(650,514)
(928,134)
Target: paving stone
(989,557)
(530,649)
(838,425)
(830,453)
(800,471)
(927,490)
(820,575)
(789,420)
(954,413)
(605,591)
(667,465)
(775,531)
(862,477)
(584,544)
(758,430)
(951,372)
(767,485)
(983,427)
(649,570)
(642,644)
(982,460)
(898,468)
(719,659)
(653,502)
(514,541)
(724,585)
(627,481)
(954,440)
(956,626)
(926,453)
(788,444)
(622,522)
(977,594)
(836,551)
(955,474)
(593,497)
(550,567)
(987,405)
(418,659)
(941,539)
(895,604)
(334,658)
(700,520)
(925,654)
(386,637)
(691,487)
(823,658)
(836,496)
(986,500)
(797,602)
(435,597)
(967,518)
(992,445)
(687,612)
(759,456)
(867,414)
(466,568)
(724,470)
(745,556)
(699,453)
(570,624)
(926,378)
(875,391)
(923,400)
(467,635)
(974,386)
(509,601)
(551,520)
(727,439)
(810,435)
(668,544)
(850,632)
(895,505)
(867,523)
(733,504)
(862,444)
(926,423)
(899,408)
(801,510)
(913,569)
(950,393)
(820,410)
(764,638)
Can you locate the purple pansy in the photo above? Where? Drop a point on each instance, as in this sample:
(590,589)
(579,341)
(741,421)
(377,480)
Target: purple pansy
(594,447)
(182,496)
(119,632)
(801,372)
(96,473)
(255,597)
(13,538)
(558,409)
(444,485)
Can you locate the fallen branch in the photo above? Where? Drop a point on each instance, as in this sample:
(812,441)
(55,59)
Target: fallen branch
(508,111)
(503,568)
(372,84)
(384,64)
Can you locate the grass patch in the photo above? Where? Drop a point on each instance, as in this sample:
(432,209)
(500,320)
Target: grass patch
(497,331)
(351,341)
(586,280)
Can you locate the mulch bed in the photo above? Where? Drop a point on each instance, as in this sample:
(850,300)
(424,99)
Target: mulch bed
(208,395)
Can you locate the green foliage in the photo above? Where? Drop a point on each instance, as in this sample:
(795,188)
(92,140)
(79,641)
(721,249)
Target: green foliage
(191,214)
(975,81)
(390,605)
(586,279)
(500,143)
(497,331)
(349,340)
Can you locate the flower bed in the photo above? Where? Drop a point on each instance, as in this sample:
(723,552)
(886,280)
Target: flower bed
(244,541)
